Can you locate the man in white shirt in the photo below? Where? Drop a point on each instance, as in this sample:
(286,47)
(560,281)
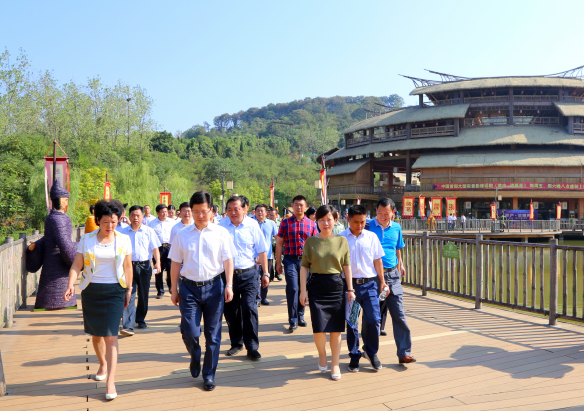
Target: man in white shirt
(366,265)
(147,216)
(186,219)
(463,221)
(241,314)
(162,226)
(200,254)
(216,218)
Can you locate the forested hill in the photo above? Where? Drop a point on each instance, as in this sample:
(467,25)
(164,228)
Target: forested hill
(111,128)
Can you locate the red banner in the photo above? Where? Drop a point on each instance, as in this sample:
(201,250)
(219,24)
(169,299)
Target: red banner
(531,215)
(421,206)
(494,213)
(559,211)
(508,186)
(323,179)
(61,174)
(451,206)
(107,191)
(359,200)
(165,198)
(271,196)
(407,206)
(437,207)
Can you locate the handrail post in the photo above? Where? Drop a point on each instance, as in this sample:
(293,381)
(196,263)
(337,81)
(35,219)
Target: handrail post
(23,272)
(478,271)
(425,260)
(2,378)
(552,301)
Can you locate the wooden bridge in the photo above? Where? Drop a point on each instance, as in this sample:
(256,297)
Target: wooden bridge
(467,360)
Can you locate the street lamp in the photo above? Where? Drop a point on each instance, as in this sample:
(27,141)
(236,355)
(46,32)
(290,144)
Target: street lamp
(230,186)
(318,184)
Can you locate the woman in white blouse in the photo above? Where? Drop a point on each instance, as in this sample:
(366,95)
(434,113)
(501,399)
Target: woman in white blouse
(105,257)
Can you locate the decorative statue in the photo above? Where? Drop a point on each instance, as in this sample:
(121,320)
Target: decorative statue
(55,253)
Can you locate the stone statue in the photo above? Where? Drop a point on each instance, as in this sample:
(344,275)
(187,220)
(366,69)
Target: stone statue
(55,253)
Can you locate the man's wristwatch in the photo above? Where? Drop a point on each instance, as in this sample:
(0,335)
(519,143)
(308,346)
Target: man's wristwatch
(266,274)
(229,286)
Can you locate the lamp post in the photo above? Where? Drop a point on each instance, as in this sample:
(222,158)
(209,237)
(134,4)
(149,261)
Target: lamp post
(128,117)
(229,185)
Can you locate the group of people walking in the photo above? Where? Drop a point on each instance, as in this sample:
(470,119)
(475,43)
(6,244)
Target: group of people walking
(222,267)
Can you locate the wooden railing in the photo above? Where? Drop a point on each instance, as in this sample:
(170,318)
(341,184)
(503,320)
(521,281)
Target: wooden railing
(573,98)
(432,131)
(354,141)
(364,190)
(16,284)
(482,225)
(486,99)
(445,102)
(577,127)
(388,136)
(535,98)
(500,273)
(486,121)
(524,120)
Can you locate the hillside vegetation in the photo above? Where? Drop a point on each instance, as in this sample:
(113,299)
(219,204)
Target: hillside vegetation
(110,128)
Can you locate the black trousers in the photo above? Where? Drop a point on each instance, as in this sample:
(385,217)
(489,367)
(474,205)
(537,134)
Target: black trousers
(241,314)
(165,264)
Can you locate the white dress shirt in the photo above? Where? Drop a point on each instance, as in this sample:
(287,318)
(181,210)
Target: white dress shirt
(148,219)
(363,250)
(163,229)
(202,252)
(177,227)
(248,240)
(143,240)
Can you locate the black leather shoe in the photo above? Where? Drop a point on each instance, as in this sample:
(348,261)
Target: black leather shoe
(293,326)
(264,302)
(302,323)
(195,367)
(234,350)
(278,277)
(374,361)
(209,384)
(383,333)
(254,354)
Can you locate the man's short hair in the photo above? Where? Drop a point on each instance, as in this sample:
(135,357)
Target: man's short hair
(172,207)
(385,201)
(299,198)
(161,207)
(271,209)
(91,208)
(214,208)
(184,204)
(235,199)
(262,205)
(136,207)
(357,210)
(201,197)
(245,201)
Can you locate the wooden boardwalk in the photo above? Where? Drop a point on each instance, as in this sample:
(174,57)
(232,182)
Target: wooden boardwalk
(467,360)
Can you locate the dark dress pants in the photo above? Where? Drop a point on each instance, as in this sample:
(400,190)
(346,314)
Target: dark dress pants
(136,312)
(394,304)
(241,313)
(367,296)
(292,272)
(262,292)
(206,301)
(165,264)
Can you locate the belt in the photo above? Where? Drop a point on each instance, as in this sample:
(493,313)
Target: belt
(299,257)
(386,270)
(165,245)
(362,281)
(135,262)
(202,283)
(240,271)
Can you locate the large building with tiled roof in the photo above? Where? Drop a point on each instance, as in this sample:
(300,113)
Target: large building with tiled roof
(466,137)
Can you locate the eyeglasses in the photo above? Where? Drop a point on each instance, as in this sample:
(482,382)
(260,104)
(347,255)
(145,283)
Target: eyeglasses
(201,213)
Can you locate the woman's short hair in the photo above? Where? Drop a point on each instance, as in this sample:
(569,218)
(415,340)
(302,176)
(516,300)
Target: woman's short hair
(105,208)
(310,211)
(324,211)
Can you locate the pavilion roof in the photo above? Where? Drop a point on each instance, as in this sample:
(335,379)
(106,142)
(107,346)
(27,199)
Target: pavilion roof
(474,136)
(569,109)
(347,167)
(495,82)
(492,157)
(411,115)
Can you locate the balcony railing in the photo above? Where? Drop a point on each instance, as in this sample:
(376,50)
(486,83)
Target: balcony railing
(536,98)
(445,102)
(385,136)
(355,141)
(486,98)
(364,190)
(578,128)
(432,131)
(486,121)
(523,120)
(573,98)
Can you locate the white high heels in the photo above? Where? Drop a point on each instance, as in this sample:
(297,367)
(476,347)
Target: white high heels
(110,396)
(101,377)
(322,369)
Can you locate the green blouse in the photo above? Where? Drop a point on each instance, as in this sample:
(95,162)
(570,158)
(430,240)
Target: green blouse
(326,256)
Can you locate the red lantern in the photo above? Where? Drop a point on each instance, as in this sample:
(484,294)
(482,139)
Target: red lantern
(522,92)
(423,125)
(437,124)
(480,112)
(541,92)
(499,111)
(520,110)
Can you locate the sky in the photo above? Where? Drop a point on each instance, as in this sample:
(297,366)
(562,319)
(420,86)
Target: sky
(200,59)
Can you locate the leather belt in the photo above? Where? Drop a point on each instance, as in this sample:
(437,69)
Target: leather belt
(165,245)
(387,270)
(202,283)
(240,271)
(362,281)
(298,257)
(135,262)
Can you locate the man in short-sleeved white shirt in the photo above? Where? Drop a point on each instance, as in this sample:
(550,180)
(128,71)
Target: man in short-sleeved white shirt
(162,226)
(366,254)
(200,254)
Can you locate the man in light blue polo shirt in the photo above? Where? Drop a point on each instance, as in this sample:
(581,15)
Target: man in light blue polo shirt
(241,313)
(269,229)
(390,235)
(145,245)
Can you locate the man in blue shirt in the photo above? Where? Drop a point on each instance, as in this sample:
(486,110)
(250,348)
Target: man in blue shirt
(390,235)
(145,244)
(241,313)
(269,229)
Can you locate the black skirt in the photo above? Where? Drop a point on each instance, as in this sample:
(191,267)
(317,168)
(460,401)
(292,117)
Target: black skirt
(327,302)
(103,304)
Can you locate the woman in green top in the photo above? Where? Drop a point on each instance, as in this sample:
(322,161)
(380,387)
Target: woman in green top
(326,255)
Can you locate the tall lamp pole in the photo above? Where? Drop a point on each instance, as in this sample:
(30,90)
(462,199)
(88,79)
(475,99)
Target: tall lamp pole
(230,186)
(128,117)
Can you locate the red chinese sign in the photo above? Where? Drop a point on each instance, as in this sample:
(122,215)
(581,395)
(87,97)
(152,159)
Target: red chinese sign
(437,207)
(107,191)
(559,211)
(421,206)
(531,215)
(494,212)
(165,198)
(451,206)
(508,186)
(408,206)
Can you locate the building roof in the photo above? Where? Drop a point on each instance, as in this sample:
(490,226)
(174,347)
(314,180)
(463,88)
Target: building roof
(348,167)
(569,109)
(492,157)
(495,82)
(411,115)
(474,136)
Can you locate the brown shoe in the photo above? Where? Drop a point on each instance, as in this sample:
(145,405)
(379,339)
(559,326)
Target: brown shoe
(407,359)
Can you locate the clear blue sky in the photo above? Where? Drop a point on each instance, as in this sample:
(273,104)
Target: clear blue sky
(199,59)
